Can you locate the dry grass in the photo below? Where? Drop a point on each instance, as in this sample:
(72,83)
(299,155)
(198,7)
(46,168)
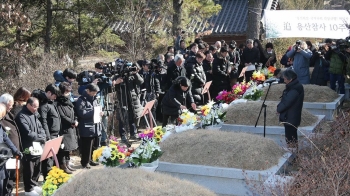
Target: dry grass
(116,181)
(247,113)
(312,93)
(221,149)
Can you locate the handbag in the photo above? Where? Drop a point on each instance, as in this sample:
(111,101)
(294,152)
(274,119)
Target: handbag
(5,153)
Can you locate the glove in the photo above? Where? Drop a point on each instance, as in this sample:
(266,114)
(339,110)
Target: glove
(18,153)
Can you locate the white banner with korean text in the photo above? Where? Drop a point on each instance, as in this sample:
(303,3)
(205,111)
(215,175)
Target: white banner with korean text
(306,23)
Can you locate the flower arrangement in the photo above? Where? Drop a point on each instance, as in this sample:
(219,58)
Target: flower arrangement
(147,152)
(241,88)
(212,114)
(226,96)
(253,93)
(55,178)
(187,118)
(110,156)
(156,133)
(259,75)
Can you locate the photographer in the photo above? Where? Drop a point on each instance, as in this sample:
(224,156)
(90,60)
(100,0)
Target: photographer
(196,74)
(128,100)
(337,67)
(176,99)
(151,84)
(320,74)
(301,55)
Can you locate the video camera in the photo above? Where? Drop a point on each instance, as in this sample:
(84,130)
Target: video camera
(124,68)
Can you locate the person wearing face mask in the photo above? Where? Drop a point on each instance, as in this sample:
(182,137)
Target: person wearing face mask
(196,74)
(31,131)
(301,55)
(89,129)
(49,118)
(9,125)
(290,107)
(69,122)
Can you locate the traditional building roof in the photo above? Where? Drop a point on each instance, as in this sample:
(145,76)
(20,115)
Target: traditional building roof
(232,19)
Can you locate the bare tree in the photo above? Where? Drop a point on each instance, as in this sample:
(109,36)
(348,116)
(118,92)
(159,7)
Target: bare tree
(254,17)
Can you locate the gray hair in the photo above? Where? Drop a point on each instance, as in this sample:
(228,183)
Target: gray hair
(249,41)
(6,98)
(179,57)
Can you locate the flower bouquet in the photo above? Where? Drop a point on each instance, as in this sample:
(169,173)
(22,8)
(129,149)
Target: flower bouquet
(259,75)
(110,156)
(147,153)
(113,140)
(156,133)
(54,180)
(187,120)
(226,96)
(253,93)
(212,114)
(241,88)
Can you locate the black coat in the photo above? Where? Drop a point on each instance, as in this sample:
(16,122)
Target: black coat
(128,94)
(85,112)
(16,109)
(196,74)
(66,110)
(49,117)
(30,128)
(5,139)
(14,135)
(172,107)
(321,69)
(174,72)
(150,82)
(250,55)
(291,103)
(162,78)
(220,76)
(207,67)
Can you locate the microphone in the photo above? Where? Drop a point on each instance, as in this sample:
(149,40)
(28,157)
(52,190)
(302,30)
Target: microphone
(271,80)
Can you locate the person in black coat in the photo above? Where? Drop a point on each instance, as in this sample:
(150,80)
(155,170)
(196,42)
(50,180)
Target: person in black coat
(129,106)
(31,131)
(9,125)
(290,107)
(320,74)
(49,118)
(250,57)
(69,122)
(178,96)
(175,69)
(160,74)
(89,130)
(196,74)
(220,73)
(5,139)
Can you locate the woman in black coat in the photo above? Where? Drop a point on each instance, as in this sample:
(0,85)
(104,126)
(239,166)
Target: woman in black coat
(320,74)
(178,96)
(195,72)
(68,123)
(89,131)
(220,74)
(291,106)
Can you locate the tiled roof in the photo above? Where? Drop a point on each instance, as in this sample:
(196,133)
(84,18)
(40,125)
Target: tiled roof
(232,19)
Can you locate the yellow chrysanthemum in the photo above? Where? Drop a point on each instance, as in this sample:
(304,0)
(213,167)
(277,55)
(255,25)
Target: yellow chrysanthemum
(65,179)
(54,182)
(59,180)
(159,133)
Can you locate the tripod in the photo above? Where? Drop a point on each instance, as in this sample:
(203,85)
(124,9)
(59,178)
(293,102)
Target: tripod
(263,106)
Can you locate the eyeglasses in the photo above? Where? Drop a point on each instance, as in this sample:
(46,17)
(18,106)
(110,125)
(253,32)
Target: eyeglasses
(34,107)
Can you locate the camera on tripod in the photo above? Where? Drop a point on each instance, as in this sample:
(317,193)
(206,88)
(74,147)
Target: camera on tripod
(124,68)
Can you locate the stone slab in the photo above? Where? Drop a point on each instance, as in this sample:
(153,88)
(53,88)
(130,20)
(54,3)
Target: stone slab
(225,181)
(329,109)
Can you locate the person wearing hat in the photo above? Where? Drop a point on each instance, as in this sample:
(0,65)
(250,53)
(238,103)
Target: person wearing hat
(221,73)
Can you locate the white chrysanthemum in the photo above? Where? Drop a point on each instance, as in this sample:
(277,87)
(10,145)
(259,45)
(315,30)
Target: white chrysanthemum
(107,152)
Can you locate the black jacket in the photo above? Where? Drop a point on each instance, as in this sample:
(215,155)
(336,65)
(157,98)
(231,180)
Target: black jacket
(174,98)
(251,55)
(162,78)
(196,74)
(30,128)
(291,103)
(220,76)
(174,72)
(207,66)
(150,82)
(128,94)
(321,69)
(14,135)
(85,112)
(66,110)
(5,139)
(49,117)
(235,57)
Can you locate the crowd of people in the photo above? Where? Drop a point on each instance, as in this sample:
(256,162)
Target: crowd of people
(174,80)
